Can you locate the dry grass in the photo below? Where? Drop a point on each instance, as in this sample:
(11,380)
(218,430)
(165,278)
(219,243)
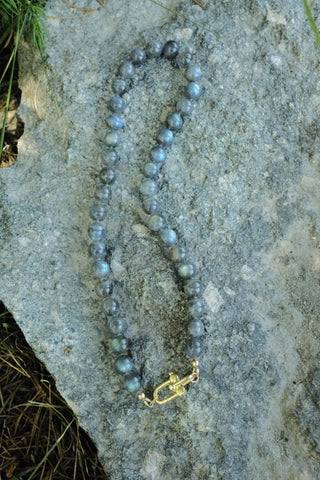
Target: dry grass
(40,437)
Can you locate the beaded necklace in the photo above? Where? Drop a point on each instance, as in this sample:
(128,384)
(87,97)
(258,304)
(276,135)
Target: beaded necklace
(185,270)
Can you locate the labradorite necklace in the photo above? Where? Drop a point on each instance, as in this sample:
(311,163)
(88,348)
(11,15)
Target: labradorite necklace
(185,270)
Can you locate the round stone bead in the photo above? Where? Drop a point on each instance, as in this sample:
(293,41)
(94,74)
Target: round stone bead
(115,325)
(186,271)
(193,91)
(97,250)
(103,193)
(119,86)
(119,344)
(151,205)
(151,170)
(148,187)
(96,232)
(110,306)
(165,137)
(177,253)
(193,73)
(184,106)
(158,154)
(194,347)
(192,288)
(124,364)
(97,211)
(155,223)
(132,382)
(154,49)
(183,59)
(112,139)
(101,269)
(126,69)
(174,121)
(170,49)
(107,175)
(110,157)
(104,288)
(196,328)
(115,122)
(138,56)
(196,307)
(168,236)
(117,104)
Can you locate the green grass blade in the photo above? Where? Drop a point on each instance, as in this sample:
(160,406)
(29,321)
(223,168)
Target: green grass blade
(312,21)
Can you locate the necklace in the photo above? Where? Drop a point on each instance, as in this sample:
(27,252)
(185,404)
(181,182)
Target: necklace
(186,272)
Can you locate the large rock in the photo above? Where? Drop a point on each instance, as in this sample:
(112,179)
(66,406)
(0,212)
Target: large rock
(241,186)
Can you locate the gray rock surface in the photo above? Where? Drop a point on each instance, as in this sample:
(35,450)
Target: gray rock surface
(241,186)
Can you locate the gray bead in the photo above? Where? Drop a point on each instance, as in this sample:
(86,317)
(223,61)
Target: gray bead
(126,69)
(107,175)
(154,49)
(193,73)
(148,187)
(138,56)
(183,59)
(112,139)
(117,104)
(192,288)
(151,170)
(194,347)
(196,328)
(168,236)
(170,49)
(110,157)
(119,85)
(132,382)
(115,122)
(158,154)
(155,223)
(193,91)
(101,269)
(186,270)
(177,253)
(96,232)
(103,193)
(98,211)
(151,205)
(115,325)
(174,121)
(110,306)
(165,137)
(124,364)
(97,250)
(195,307)
(185,106)
(104,288)
(119,344)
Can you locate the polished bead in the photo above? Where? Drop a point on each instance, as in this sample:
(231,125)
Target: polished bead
(115,122)
(156,223)
(174,121)
(98,211)
(168,236)
(193,91)
(196,328)
(185,106)
(96,232)
(170,49)
(117,104)
(158,154)
(154,49)
(177,253)
(110,157)
(195,307)
(165,137)
(138,56)
(124,364)
(151,170)
(193,73)
(103,193)
(104,288)
(112,139)
(151,205)
(115,325)
(101,269)
(119,85)
(132,382)
(183,59)
(186,270)
(97,250)
(126,69)
(148,187)
(194,347)
(107,175)
(110,306)
(119,344)
(192,288)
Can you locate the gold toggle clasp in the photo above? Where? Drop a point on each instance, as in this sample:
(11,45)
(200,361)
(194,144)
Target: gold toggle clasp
(174,384)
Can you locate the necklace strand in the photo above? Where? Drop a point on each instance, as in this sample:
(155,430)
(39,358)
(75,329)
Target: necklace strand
(98,250)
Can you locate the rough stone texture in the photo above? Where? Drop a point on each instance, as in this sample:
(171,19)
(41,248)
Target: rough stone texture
(241,186)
